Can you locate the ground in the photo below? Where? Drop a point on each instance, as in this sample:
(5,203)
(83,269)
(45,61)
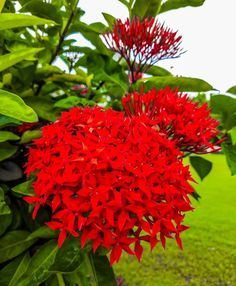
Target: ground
(209,255)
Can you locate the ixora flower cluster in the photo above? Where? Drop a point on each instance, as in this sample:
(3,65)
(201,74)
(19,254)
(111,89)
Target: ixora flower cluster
(117,178)
(142,44)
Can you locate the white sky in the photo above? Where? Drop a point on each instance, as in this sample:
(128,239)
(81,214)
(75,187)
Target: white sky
(209,36)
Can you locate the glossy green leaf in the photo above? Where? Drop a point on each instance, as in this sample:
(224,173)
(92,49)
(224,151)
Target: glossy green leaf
(43,10)
(12,20)
(104,273)
(44,107)
(144,9)
(11,273)
(232,89)
(201,166)
(69,257)
(6,120)
(24,189)
(4,208)
(230,153)
(14,243)
(225,106)
(39,266)
(158,71)
(109,18)
(13,106)
(7,135)
(29,135)
(43,232)
(7,150)
(182,83)
(15,57)
(176,4)
(71,101)
(233,135)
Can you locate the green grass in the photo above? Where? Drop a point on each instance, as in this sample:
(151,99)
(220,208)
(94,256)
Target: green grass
(209,255)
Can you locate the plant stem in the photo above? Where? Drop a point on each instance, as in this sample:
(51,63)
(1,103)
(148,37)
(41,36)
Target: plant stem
(60,279)
(60,43)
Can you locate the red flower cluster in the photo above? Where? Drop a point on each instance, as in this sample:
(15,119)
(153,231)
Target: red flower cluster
(171,112)
(110,179)
(142,43)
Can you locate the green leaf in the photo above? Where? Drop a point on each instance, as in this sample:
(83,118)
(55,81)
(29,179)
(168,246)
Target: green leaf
(176,4)
(39,266)
(11,273)
(105,274)
(201,166)
(233,135)
(126,3)
(24,189)
(13,58)
(71,101)
(43,10)
(13,106)
(43,232)
(230,153)
(6,221)
(69,257)
(7,150)
(4,208)
(11,20)
(2,3)
(14,243)
(7,135)
(110,19)
(68,78)
(5,214)
(44,107)
(45,71)
(29,135)
(225,106)
(7,79)
(232,89)
(182,83)
(144,9)
(6,120)
(92,34)
(158,71)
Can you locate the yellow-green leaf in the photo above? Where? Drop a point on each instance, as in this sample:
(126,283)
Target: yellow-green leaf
(29,135)
(12,20)
(7,135)
(13,106)
(182,83)
(13,58)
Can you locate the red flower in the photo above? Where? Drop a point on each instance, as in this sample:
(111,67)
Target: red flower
(142,43)
(26,126)
(171,112)
(111,180)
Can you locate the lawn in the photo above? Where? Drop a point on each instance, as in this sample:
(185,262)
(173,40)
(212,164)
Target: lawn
(209,255)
